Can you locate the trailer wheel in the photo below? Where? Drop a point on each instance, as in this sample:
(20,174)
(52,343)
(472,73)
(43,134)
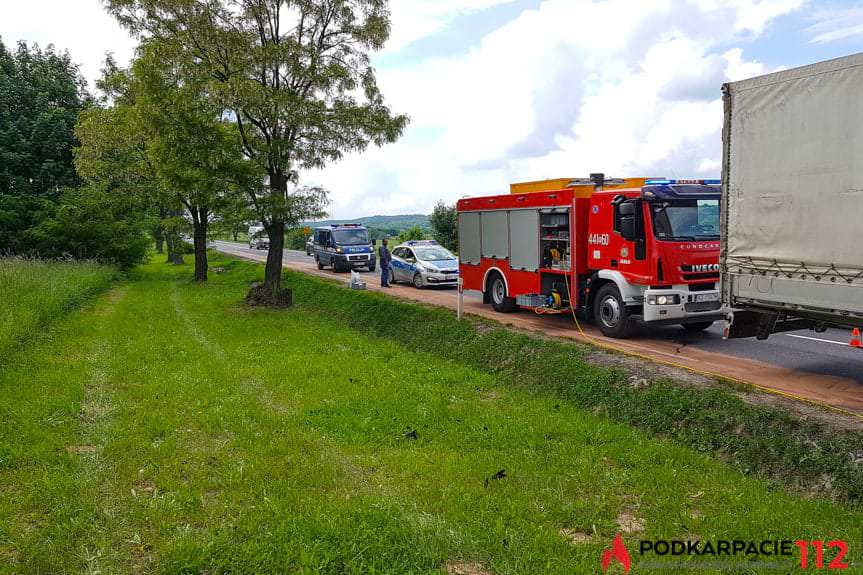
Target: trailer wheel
(499,300)
(700,326)
(611,314)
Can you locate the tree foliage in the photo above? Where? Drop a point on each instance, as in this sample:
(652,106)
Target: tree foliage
(41,94)
(444,222)
(297,77)
(92,222)
(414,233)
(194,150)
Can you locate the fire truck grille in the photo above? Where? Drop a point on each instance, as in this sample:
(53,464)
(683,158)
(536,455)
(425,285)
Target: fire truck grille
(700,277)
(703,306)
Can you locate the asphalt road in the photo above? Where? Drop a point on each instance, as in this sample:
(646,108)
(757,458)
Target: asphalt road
(806,351)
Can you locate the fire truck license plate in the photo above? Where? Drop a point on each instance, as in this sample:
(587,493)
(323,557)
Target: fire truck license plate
(704,297)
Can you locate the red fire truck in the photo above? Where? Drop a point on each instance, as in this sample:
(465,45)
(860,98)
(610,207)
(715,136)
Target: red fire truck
(622,255)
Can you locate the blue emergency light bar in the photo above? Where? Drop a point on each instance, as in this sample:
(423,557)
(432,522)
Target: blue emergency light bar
(422,243)
(682,182)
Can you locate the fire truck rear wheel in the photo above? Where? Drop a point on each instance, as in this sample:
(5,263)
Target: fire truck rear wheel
(499,300)
(700,326)
(611,314)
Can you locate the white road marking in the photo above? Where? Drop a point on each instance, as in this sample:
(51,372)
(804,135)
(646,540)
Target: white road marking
(817,339)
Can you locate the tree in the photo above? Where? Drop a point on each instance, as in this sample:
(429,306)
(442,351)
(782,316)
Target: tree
(444,222)
(413,233)
(92,222)
(297,77)
(194,151)
(41,94)
(234,218)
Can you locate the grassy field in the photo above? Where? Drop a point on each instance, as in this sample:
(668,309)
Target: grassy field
(36,292)
(169,429)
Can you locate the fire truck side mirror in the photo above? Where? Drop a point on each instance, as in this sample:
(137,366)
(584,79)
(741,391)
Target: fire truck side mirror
(627,228)
(626,220)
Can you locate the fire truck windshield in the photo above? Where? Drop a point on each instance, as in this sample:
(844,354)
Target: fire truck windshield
(685,219)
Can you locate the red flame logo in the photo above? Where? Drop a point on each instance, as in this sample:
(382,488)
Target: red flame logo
(617,552)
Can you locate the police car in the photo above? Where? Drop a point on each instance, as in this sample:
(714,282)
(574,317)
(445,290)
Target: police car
(423,263)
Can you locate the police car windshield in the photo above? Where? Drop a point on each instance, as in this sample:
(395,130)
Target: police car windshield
(433,254)
(685,219)
(351,237)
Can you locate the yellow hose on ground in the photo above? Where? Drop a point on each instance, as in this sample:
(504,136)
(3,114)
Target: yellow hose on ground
(604,345)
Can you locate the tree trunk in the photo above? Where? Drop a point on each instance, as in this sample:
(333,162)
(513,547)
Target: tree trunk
(276,233)
(160,239)
(270,293)
(199,217)
(273,271)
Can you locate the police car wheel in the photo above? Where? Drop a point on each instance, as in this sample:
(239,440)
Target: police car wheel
(392,276)
(418,281)
(319,262)
(611,314)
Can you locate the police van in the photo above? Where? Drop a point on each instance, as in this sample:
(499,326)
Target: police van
(344,247)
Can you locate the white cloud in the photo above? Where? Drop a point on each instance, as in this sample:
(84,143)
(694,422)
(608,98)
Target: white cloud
(835,25)
(415,19)
(627,88)
(82,27)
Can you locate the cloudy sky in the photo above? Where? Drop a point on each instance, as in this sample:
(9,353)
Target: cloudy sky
(500,91)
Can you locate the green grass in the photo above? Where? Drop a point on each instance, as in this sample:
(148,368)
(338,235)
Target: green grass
(803,455)
(37,292)
(169,429)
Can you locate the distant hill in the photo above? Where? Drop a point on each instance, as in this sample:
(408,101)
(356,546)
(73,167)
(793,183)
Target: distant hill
(399,222)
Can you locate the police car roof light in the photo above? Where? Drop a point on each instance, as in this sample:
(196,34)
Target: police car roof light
(421,242)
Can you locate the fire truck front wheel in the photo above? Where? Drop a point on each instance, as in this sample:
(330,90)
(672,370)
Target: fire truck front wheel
(611,314)
(497,290)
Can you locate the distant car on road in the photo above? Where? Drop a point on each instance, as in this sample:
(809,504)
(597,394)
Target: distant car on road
(310,245)
(259,240)
(423,263)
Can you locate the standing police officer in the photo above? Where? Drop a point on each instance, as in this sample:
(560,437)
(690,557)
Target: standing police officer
(384,258)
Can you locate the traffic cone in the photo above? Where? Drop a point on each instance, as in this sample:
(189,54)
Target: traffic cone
(855,339)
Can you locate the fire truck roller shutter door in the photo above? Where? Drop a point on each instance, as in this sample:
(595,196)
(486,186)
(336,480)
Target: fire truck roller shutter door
(469,237)
(495,234)
(524,240)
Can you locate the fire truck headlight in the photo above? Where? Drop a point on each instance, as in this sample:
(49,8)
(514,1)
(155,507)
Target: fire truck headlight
(672,299)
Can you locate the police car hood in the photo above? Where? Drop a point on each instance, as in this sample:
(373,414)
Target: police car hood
(442,264)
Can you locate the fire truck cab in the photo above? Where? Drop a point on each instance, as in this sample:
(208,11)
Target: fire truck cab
(621,255)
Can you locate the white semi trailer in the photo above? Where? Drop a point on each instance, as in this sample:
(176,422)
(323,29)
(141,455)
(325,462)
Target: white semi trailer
(792,199)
